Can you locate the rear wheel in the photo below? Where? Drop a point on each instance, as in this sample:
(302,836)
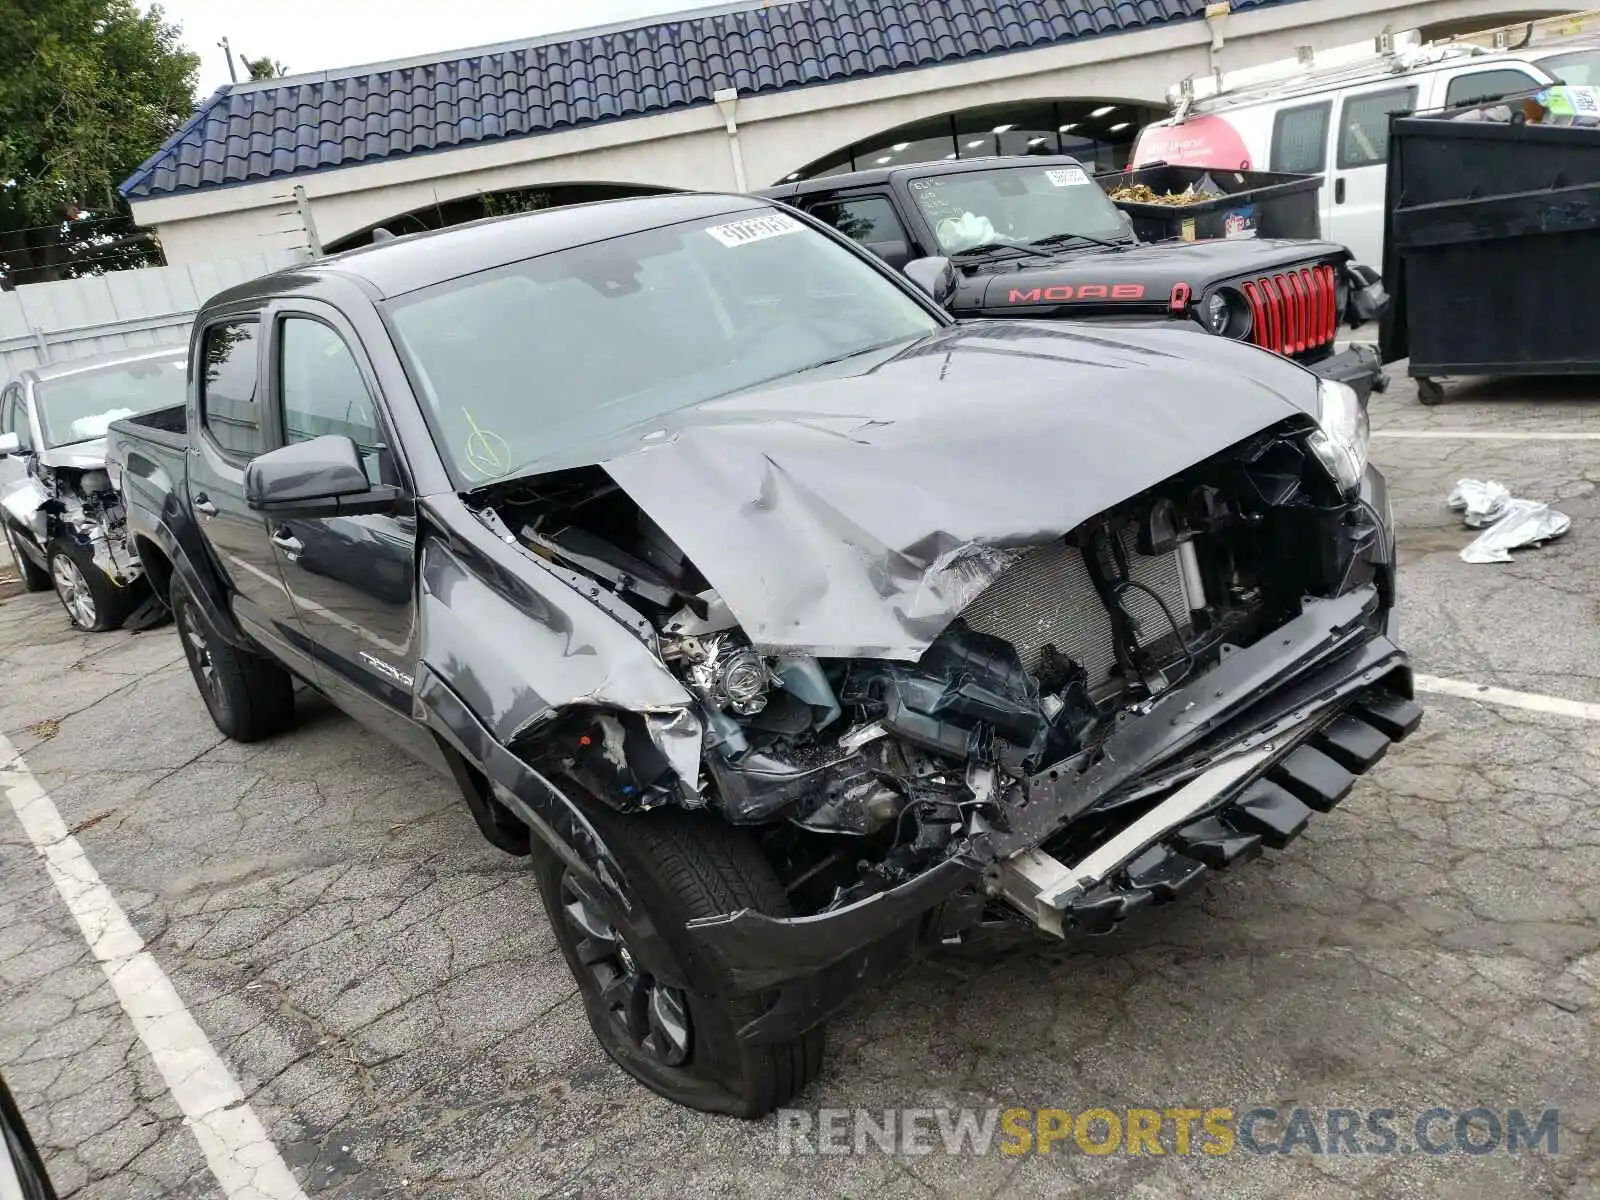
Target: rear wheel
(249,697)
(34,577)
(94,604)
(679,1042)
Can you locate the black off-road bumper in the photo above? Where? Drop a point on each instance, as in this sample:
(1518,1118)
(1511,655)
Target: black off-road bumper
(1359,366)
(1316,705)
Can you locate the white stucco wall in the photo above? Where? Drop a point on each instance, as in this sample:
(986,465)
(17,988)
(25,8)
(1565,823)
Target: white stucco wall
(777,133)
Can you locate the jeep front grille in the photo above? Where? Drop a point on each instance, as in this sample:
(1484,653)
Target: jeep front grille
(1294,311)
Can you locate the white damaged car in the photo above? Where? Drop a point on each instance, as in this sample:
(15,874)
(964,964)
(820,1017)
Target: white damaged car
(62,520)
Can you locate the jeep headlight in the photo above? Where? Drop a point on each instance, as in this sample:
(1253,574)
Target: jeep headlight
(1343,434)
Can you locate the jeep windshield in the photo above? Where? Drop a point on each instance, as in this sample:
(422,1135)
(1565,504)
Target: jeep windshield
(1020,206)
(521,363)
(78,407)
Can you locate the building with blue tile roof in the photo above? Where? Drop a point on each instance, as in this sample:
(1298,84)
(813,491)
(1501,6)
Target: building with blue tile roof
(723,98)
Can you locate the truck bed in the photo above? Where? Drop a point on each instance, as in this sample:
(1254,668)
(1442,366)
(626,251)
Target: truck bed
(163,426)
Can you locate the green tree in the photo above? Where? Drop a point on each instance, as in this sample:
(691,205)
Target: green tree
(88,90)
(263,67)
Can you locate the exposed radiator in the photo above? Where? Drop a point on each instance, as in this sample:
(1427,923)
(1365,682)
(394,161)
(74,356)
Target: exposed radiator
(1048,598)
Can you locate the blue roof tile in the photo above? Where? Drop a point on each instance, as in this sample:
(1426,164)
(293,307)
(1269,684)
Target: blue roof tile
(263,130)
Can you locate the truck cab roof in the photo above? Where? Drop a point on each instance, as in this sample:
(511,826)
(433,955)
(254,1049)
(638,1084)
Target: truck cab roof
(395,266)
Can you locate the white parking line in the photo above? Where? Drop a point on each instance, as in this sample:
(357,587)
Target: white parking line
(1504,698)
(1484,435)
(235,1143)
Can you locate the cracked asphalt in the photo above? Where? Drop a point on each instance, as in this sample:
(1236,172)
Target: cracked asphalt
(384,985)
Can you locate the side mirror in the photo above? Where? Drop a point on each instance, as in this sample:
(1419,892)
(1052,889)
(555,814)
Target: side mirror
(936,276)
(10,443)
(322,477)
(896,253)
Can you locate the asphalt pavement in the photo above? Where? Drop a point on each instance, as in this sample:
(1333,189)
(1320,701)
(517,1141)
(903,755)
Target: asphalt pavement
(385,990)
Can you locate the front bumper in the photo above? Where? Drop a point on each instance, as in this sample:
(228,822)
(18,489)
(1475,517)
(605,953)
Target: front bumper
(1275,732)
(1359,366)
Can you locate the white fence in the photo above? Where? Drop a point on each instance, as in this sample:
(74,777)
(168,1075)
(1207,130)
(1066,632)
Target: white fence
(99,314)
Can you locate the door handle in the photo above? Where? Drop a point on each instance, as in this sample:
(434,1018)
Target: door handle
(203,506)
(287,542)
(1338,191)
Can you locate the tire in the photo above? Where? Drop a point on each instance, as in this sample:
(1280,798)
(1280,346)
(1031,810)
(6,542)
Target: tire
(678,866)
(33,578)
(94,604)
(249,697)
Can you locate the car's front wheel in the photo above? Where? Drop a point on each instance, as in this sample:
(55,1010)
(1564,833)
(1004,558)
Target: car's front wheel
(680,1042)
(94,604)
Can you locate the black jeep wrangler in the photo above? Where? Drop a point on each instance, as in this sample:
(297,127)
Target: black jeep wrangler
(1036,238)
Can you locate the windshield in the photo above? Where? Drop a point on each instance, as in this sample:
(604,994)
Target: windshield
(1016,204)
(79,407)
(525,361)
(1580,68)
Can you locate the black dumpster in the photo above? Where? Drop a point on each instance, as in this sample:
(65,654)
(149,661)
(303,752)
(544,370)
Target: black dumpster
(1274,204)
(1491,247)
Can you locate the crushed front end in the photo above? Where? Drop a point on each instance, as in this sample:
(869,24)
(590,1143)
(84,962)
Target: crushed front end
(83,506)
(1057,729)
(1168,689)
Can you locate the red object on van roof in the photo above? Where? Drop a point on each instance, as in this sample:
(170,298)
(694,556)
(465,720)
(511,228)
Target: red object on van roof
(1201,142)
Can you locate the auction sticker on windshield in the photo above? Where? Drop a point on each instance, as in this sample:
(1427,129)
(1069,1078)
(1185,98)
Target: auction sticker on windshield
(756,229)
(1068,177)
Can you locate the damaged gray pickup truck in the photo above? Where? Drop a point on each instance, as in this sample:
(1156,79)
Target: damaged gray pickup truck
(791,625)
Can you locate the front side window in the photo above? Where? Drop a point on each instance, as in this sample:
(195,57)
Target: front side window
(585,346)
(228,406)
(78,407)
(11,413)
(869,220)
(323,391)
(1364,126)
(1016,205)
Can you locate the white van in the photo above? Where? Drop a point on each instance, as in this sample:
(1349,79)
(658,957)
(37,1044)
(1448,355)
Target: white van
(1330,115)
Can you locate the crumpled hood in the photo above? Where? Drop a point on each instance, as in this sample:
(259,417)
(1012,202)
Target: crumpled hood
(82,456)
(1141,274)
(857,516)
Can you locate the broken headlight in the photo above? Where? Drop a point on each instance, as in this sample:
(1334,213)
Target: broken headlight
(1341,441)
(731,677)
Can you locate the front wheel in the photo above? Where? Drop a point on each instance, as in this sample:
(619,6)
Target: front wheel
(94,604)
(249,697)
(680,1043)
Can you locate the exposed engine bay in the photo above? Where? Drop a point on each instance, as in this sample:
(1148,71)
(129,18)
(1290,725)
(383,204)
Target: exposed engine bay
(861,773)
(82,505)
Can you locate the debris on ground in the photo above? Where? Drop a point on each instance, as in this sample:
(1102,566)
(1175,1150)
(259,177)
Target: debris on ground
(1508,522)
(90,822)
(46,729)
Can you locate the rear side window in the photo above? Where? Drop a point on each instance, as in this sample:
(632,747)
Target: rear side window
(865,219)
(228,404)
(1364,126)
(1300,139)
(1482,86)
